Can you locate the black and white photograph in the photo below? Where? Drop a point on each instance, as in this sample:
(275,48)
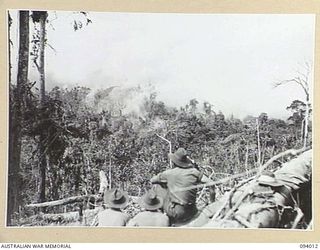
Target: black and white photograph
(127,119)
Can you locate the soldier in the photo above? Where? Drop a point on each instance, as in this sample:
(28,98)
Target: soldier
(179,205)
(151,217)
(258,205)
(115,200)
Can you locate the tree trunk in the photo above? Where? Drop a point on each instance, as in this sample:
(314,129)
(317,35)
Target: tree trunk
(65,201)
(42,151)
(306,123)
(9,47)
(15,118)
(246,158)
(259,146)
(302,130)
(77,179)
(42,21)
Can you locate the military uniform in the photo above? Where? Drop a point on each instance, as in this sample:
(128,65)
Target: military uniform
(152,217)
(149,219)
(179,204)
(111,217)
(115,200)
(259,207)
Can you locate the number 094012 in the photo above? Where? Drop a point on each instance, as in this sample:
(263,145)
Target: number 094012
(308,246)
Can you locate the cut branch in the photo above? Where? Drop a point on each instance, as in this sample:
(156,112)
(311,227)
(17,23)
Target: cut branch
(73,199)
(103,182)
(204,188)
(298,218)
(259,146)
(235,207)
(65,201)
(36,64)
(170,146)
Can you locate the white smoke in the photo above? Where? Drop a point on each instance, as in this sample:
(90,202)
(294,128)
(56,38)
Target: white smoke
(122,100)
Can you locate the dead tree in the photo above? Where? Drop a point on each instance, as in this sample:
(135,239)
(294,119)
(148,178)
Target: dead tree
(302,79)
(41,18)
(15,118)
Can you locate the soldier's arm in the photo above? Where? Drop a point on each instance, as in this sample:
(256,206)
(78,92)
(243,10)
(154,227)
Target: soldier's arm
(159,178)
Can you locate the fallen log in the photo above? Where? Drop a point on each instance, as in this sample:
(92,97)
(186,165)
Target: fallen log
(73,199)
(65,201)
(62,217)
(81,198)
(68,218)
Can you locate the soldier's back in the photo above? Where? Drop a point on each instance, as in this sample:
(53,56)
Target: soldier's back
(110,217)
(149,219)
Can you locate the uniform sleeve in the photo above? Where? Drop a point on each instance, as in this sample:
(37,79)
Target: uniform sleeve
(159,178)
(201,177)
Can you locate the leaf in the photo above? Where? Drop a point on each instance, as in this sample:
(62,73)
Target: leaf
(88,21)
(75,26)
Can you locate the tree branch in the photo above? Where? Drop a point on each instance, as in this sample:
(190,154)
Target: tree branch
(65,201)
(170,147)
(37,65)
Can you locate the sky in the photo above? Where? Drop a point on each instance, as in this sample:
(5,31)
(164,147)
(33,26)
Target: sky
(230,60)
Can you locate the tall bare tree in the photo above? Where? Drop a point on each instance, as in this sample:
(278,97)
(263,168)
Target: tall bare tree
(43,160)
(15,118)
(9,46)
(302,79)
(41,18)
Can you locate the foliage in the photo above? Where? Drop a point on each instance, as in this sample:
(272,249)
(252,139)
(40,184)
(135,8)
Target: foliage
(117,130)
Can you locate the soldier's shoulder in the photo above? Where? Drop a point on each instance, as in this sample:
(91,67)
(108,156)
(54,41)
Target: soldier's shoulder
(195,171)
(105,211)
(164,216)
